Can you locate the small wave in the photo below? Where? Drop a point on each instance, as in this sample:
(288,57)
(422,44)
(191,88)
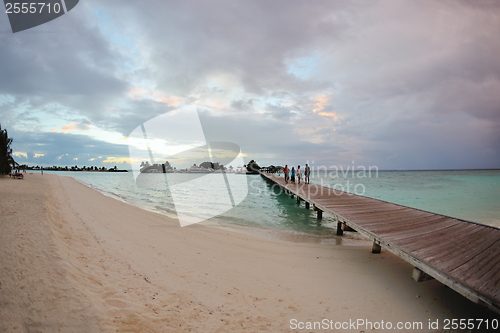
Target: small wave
(165,209)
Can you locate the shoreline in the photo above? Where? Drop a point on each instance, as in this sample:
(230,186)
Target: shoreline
(268,233)
(487,216)
(348,239)
(78,260)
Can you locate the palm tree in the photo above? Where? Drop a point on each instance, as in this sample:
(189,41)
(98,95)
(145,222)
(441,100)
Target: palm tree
(6,160)
(252,166)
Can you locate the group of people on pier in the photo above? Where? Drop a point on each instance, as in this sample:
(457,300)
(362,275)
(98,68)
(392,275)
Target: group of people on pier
(291,174)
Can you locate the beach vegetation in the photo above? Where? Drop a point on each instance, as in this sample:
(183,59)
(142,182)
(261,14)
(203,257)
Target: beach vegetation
(211,165)
(168,167)
(7,162)
(253,166)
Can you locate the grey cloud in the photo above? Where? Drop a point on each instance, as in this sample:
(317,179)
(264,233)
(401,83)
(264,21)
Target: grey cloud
(243,105)
(62,148)
(67,62)
(126,119)
(442,56)
(279,112)
(249,40)
(265,139)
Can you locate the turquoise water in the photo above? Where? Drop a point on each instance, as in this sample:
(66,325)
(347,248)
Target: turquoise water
(468,195)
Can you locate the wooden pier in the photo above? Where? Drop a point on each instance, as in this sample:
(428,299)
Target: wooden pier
(463,255)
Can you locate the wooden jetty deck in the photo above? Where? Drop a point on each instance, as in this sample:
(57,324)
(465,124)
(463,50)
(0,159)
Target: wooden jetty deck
(460,254)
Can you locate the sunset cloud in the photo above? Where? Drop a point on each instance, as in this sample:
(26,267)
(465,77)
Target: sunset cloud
(67,128)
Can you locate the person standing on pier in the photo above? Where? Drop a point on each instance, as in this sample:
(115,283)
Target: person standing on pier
(307,173)
(299,174)
(285,171)
(293,175)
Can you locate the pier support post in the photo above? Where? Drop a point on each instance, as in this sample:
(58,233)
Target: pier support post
(340,231)
(420,276)
(319,212)
(307,205)
(291,196)
(298,200)
(376,248)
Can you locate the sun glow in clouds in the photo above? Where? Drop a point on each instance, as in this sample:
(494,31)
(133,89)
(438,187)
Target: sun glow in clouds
(329,114)
(321,102)
(166,135)
(118,160)
(19,154)
(71,127)
(138,93)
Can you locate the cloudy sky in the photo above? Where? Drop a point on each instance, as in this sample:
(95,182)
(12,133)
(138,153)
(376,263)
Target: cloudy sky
(393,84)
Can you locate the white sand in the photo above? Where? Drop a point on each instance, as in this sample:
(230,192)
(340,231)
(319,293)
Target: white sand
(74,260)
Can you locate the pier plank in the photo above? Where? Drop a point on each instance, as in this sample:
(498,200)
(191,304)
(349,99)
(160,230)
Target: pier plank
(402,225)
(380,210)
(474,244)
(470,267)
(447,240)
(478,275)
(369,219)
(483,283)
(479,263)
(454,250)
(407,235)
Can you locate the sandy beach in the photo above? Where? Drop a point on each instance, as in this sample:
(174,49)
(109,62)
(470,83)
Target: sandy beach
(75,260)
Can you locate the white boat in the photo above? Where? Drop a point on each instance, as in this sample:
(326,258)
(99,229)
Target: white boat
(195,169)
(241,170)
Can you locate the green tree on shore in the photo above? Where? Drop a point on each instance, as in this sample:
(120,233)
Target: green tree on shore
(6,160)
(253,166)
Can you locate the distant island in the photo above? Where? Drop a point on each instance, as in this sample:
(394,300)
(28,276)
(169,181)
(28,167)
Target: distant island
(71,168)
(145,167)
(206,167)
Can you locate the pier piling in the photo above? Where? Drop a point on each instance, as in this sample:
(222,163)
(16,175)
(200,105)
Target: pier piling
(419,276)
(340,230)
(376,248)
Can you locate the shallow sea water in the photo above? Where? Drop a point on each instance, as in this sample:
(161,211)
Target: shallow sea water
(468,195)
